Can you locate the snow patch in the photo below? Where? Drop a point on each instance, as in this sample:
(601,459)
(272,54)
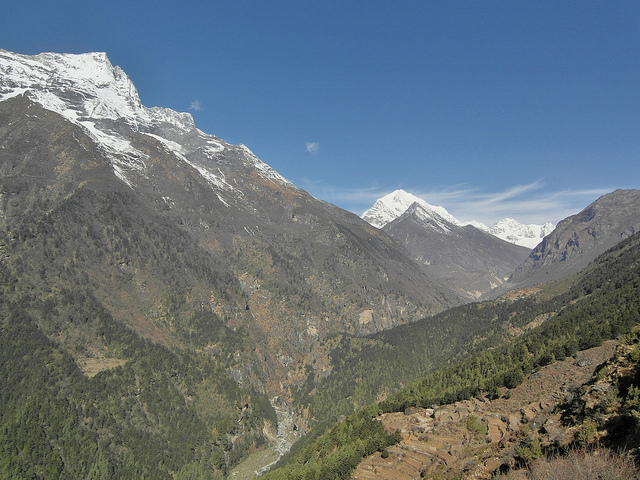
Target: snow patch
(171,146)
(263,168)
(515,232)
(180,152)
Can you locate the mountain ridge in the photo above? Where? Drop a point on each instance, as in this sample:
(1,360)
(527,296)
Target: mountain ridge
(108,96)
(464,257)
(467,258)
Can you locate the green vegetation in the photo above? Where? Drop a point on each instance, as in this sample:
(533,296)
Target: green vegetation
(146,418)
(365,369)
(476,426)
(594,306)
(529,450)
(604,303)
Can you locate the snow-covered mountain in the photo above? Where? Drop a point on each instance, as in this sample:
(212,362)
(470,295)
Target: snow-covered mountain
(90,92)
(468,259)
(515,232)
(395,204)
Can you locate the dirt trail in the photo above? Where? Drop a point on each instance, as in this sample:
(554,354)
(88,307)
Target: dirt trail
(437,443)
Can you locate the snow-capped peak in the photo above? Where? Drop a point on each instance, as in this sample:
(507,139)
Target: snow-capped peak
(81,87)
(515,232)
(393,205)
(89,91)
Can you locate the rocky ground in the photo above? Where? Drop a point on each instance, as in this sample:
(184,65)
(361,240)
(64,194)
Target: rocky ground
(477,436)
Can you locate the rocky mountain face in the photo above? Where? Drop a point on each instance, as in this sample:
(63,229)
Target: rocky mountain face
(580,238)
(465,258)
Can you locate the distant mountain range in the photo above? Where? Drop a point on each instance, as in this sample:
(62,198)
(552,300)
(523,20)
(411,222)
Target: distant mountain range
(515,232)
(473,259)
(466,258)
(393,205)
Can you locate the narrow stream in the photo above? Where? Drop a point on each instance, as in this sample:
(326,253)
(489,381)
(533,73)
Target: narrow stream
(260,462)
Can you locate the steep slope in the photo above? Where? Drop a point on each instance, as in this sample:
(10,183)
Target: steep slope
(465,258)
(584,404)
(89,271)
(579,239)
(484,433)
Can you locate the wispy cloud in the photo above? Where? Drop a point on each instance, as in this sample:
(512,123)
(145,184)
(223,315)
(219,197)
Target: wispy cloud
(195,105)
(529,203)
(511,193)
(313,147)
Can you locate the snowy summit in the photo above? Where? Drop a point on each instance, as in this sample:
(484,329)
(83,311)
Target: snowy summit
(515,232)
(393,205)
(90,92)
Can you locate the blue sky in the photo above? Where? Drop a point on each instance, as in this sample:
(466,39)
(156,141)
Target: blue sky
(523,109)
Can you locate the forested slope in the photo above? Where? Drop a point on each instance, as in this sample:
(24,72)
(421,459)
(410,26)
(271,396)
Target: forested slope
(146,418)
(364,369)
(85,395)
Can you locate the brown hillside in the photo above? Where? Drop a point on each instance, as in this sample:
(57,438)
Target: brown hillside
(440,443)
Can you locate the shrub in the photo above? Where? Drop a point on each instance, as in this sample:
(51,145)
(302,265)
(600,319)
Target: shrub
(600,464)
(476,426)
